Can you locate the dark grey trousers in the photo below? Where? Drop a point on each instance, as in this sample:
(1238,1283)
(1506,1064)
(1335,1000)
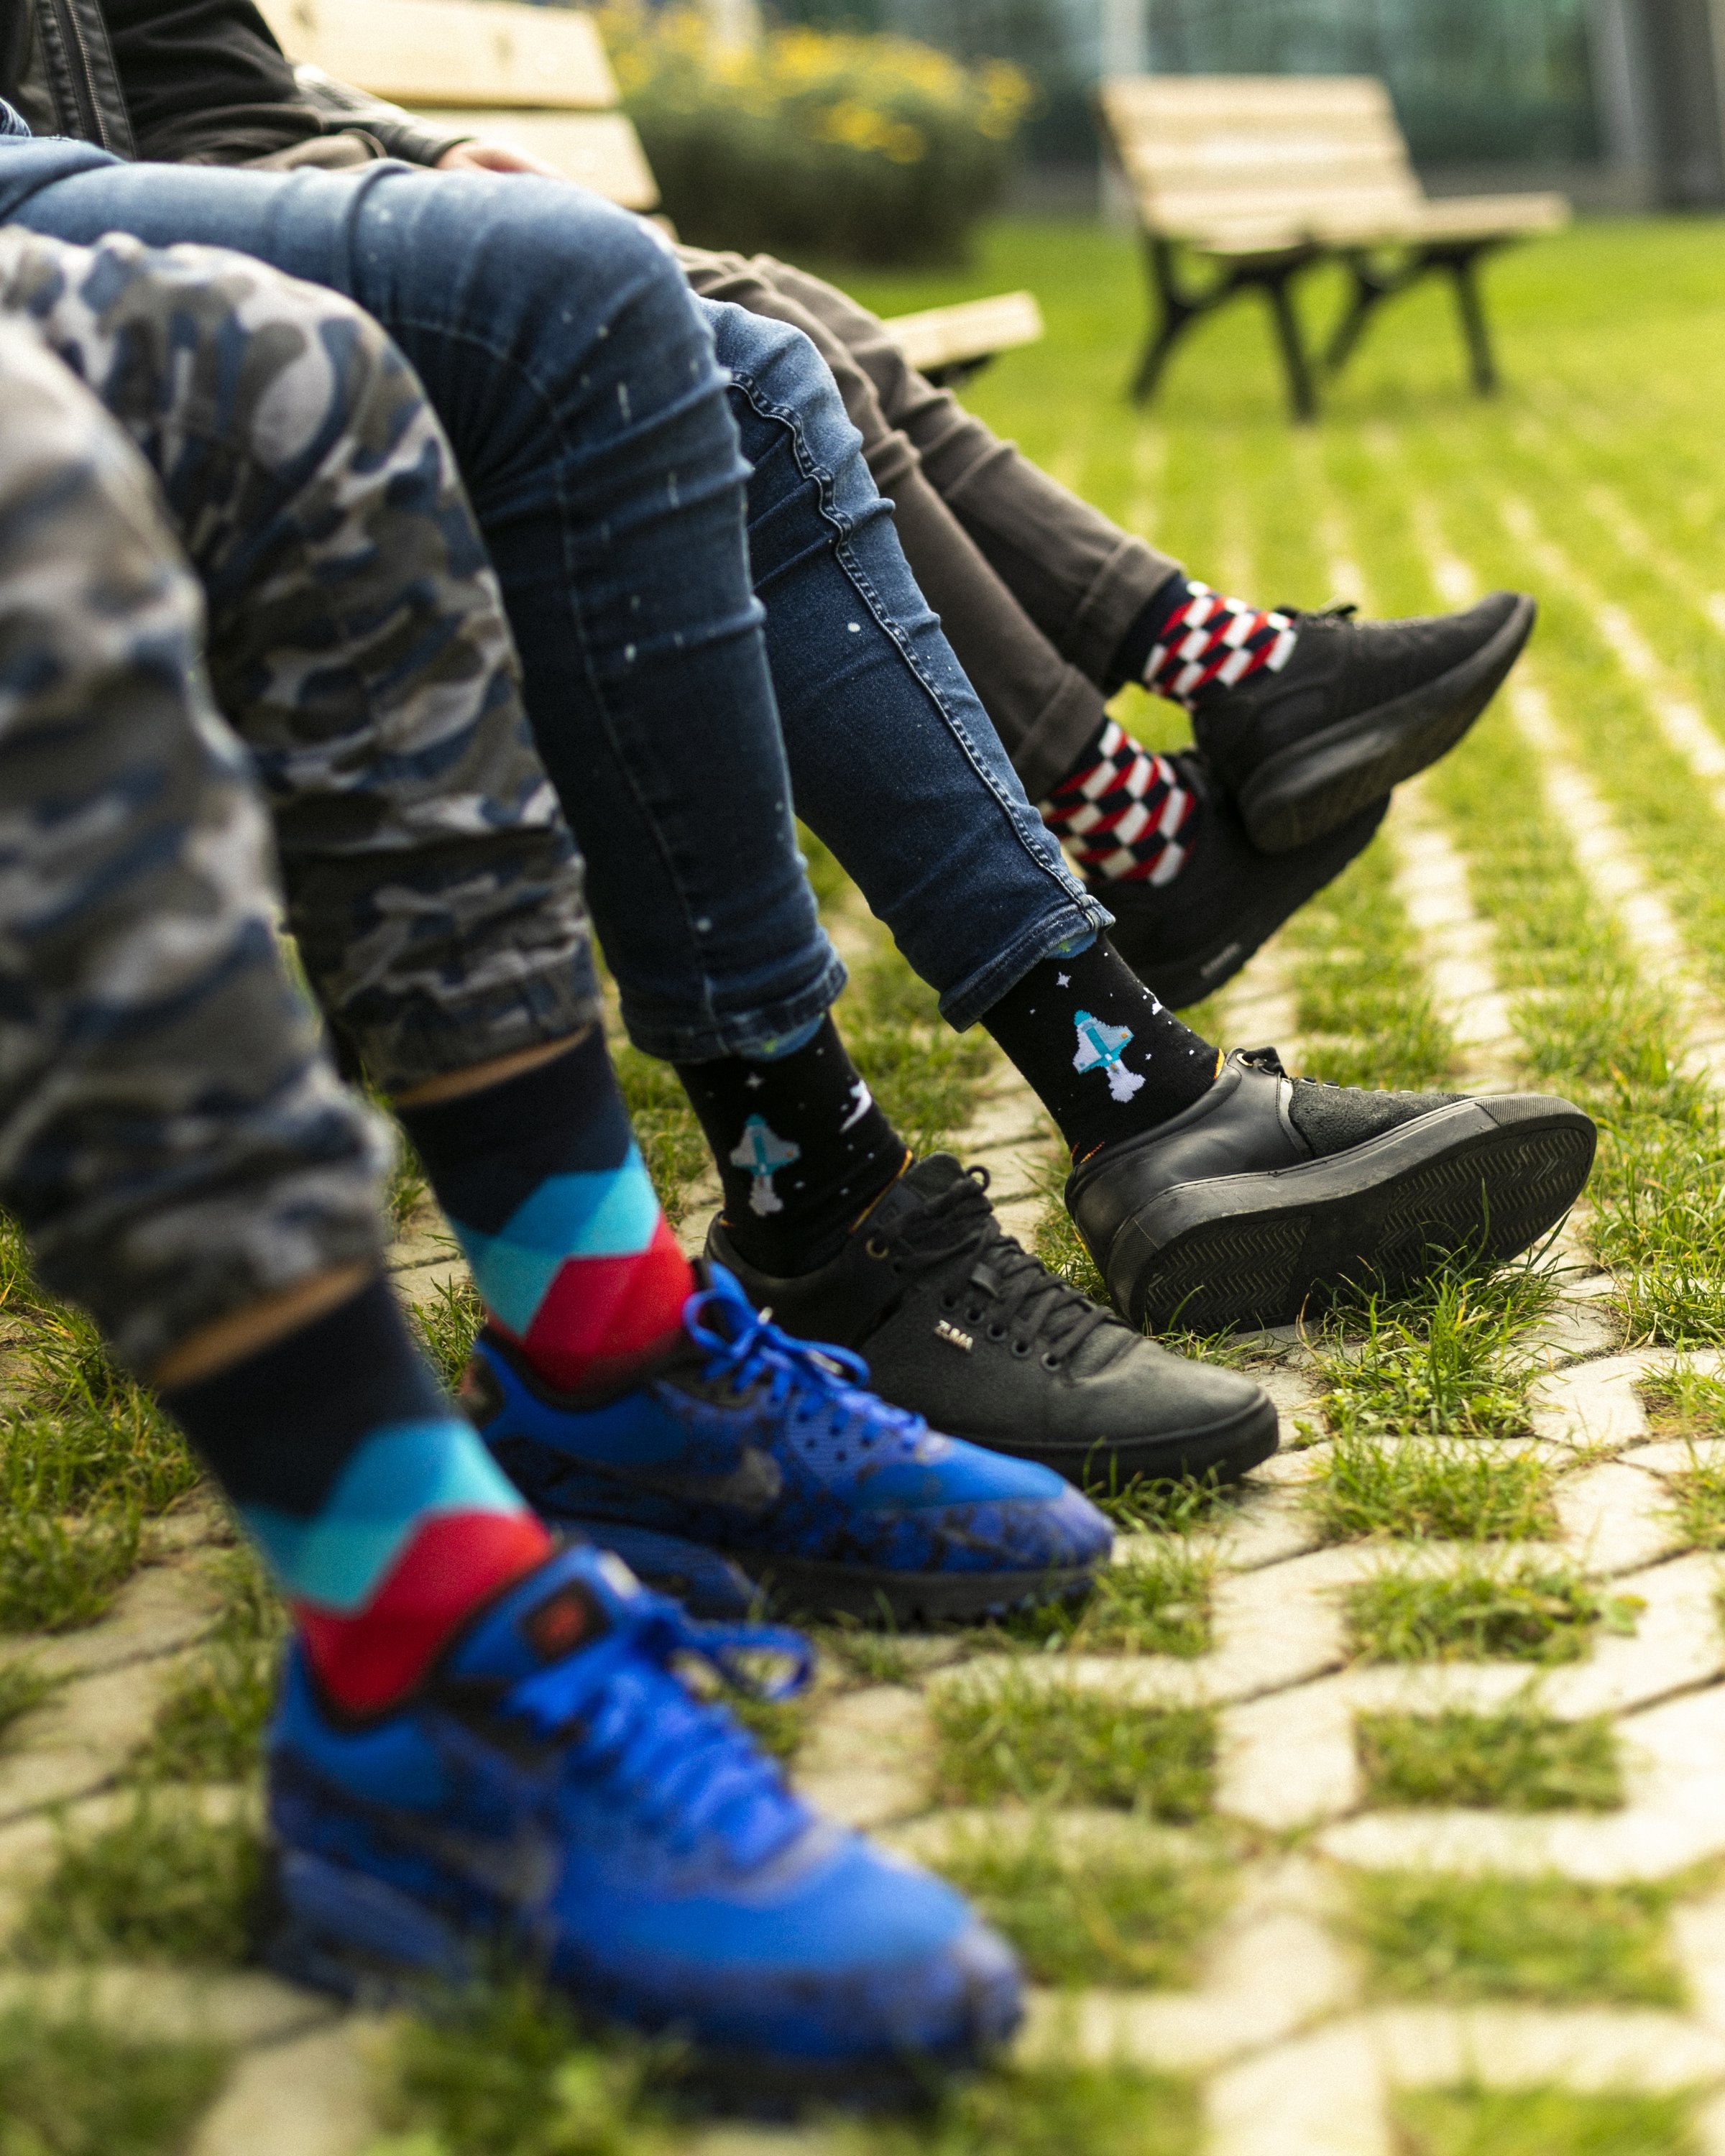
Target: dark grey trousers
(1033,587)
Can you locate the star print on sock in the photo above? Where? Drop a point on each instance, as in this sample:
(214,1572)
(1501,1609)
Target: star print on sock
(763,1153)
(863,1099)
(1101,1048)
(1063,980)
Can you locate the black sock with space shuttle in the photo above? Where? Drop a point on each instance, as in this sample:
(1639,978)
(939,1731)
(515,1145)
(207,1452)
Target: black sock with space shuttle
(802,1149)
(1102,1055)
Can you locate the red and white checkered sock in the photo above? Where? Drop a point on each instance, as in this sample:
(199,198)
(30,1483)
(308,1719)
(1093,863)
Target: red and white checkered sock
(1210,640)
(1125,810)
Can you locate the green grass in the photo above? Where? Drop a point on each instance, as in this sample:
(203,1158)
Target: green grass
(22,1688)
(1045,2111)
(1155,1604)
(1549,2122)
(1444,1362)
(1685,1403)
(67,2089)
(447,1323)
(1550,1940)
(508,2072)
(1480,1611)
(159,1886)
(1445,1490)
(1520,1760)
(1107,1917)
(1011,1739)
(210,1728)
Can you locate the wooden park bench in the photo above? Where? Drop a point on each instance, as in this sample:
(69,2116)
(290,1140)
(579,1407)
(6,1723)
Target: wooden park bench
(1259,177)
(537,79)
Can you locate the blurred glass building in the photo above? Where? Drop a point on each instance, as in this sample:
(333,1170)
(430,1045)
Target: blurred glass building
(1622,102)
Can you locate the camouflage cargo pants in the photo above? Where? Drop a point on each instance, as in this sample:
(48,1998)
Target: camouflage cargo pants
(170,1134)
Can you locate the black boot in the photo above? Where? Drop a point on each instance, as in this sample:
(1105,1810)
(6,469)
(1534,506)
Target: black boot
(961,1323)
(1271,1190)
(1187,938)
(1359,706)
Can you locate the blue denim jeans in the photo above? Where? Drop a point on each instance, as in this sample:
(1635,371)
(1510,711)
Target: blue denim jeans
(578,384)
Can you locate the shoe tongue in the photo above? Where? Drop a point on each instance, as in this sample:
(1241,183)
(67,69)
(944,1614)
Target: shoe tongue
(923,1180)
(570,1602)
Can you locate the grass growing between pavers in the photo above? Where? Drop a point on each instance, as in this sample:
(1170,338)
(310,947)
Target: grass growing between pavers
(1446,1359)
(1443,1489)
(1044,2111)
(70,2088)
(22,1688)
(1010,1738)
(1546,2121)
(1520,1760)
(1482,1612)
(1684,1402)
(1108,1916)
(210,1728)
(1158,1603)
(1552,1940)
(160,1885)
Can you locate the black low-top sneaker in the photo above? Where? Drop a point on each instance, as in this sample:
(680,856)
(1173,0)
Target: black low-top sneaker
(1359,706)
(960,1323)
(1271,1190)
(1186,939)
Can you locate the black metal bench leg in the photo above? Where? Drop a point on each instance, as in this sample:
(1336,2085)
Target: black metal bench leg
(1464,274)
(1175,314)
(1369,294)
(1302,396)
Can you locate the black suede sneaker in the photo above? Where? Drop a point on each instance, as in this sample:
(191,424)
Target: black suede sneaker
(959,1322)
(1270,1190)
(1359,706)
(1186,938)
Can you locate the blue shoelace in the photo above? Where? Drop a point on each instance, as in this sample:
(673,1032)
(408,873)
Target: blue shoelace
(818,1382)
(685,1769)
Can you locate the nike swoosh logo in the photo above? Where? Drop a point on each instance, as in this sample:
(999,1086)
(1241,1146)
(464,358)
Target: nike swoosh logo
(753,1487)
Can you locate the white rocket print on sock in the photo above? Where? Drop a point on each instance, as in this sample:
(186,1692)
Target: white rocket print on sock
(1101,1048)
(763,1153)
(864,1100)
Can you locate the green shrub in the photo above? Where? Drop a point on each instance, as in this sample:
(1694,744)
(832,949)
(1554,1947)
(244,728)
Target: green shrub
(877,149)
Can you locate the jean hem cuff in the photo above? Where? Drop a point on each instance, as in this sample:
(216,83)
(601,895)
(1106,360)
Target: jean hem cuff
(962,1006)
(752,1033)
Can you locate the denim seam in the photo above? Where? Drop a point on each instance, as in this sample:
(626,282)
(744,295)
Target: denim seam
(786,416)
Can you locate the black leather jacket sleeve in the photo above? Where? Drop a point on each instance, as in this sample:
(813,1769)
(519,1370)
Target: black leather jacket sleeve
(204,82)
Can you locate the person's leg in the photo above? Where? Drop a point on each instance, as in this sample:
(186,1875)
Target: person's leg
(359,643)
(1307,720)
(1127,1085)
(187,1165)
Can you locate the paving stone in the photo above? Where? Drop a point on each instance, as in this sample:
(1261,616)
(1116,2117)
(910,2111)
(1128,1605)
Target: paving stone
(169,2006)
(1593,1402)
(1288,1760)
(1322,2095)
(1615,1518)
(308,2096)
(1589,2049)
(82,1736)
(866,1760)
(1698,1942)
(1267,1525)
(159,1609)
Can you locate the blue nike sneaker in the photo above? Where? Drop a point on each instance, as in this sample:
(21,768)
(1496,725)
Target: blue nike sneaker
(767,1451)
(552,1793)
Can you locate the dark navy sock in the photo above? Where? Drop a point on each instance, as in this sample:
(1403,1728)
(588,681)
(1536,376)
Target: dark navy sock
(803,1150)
(1102,1055)
(546,1188)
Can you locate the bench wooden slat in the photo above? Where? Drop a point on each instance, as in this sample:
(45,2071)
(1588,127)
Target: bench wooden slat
(537,79)
(461,52)
(969,330)
(1265,173)
(600,150)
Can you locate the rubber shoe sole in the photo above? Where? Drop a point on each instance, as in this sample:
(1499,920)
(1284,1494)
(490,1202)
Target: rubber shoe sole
(1310,788)
(1253,1250)
(812,1588)
(341,1931)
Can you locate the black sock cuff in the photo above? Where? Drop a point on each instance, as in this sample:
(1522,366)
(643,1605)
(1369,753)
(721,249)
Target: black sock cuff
(487,1151)
(1134,648)
(279,1427)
